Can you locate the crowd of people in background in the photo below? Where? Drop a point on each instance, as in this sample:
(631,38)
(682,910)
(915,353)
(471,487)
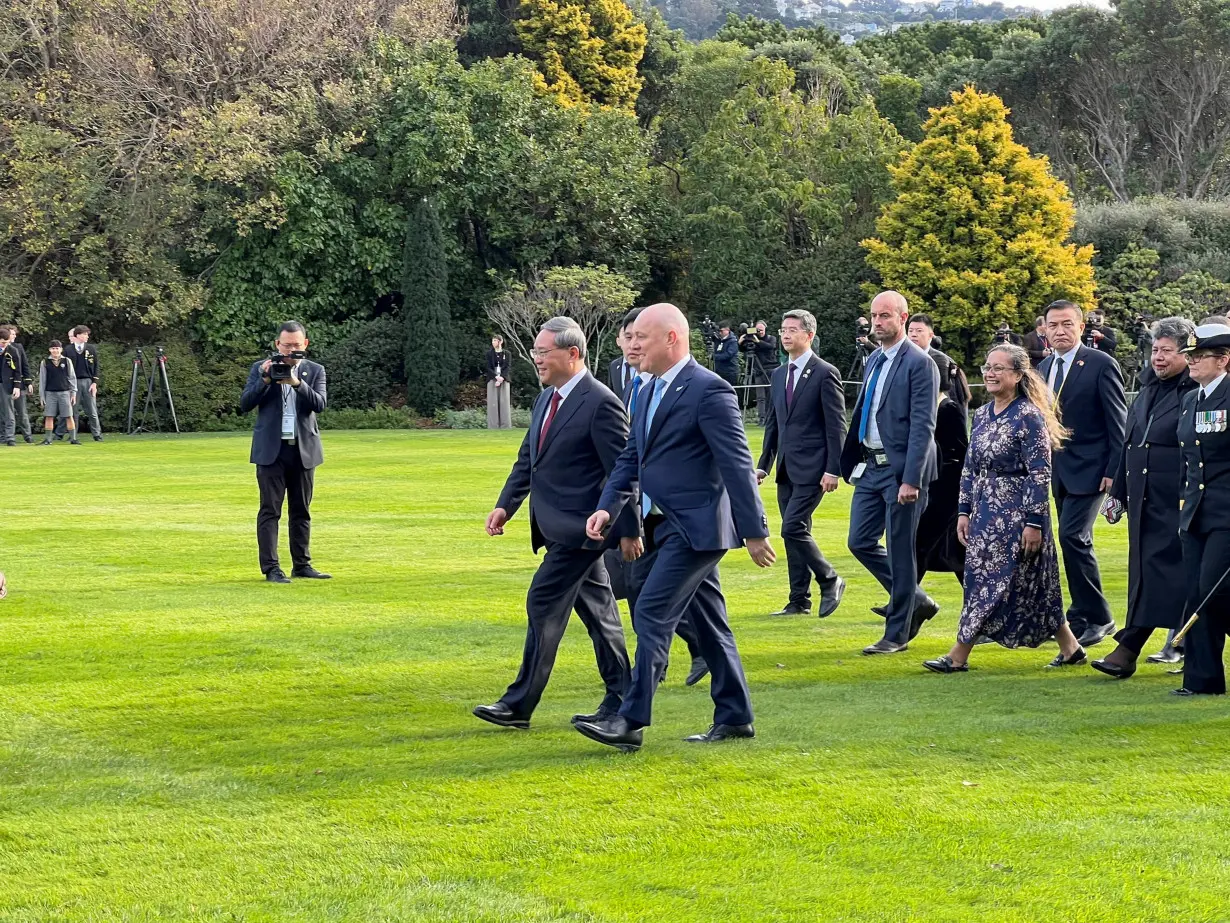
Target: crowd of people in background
(67,387)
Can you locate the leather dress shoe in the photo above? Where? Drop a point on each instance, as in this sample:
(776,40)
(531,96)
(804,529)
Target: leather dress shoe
(1120,668)
(615,732)
(720,732)
(698,672)
(792,609)
(600,715)
(923,611)
(308,572)
(830,597)
(276,576)
(1078,657)
(1166,655)
(1094,634)
(884,646)
(881,611)
(945,664)
(501,714)
(1186,692)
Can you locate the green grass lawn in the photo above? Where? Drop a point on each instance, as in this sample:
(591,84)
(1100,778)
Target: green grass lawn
(181,741)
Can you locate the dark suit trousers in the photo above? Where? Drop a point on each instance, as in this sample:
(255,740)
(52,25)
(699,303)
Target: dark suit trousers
(1076,514)
(635,574)
(567,579)
(284,479)
(797,503)
(874,511)
(1206,556)
(681,580)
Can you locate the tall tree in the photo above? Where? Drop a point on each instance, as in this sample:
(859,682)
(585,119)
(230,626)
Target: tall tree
(977,234)
(587,51)
(431,346)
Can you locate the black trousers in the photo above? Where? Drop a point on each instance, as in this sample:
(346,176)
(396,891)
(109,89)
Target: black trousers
(1206,556)
(681,579)
(797,503)
(1076,514)
(567,579)
(1134,638)
(284,479)
(635,573)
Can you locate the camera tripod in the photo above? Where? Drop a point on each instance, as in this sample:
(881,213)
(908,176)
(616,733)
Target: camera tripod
(156,380)
(751,381)
(859,365)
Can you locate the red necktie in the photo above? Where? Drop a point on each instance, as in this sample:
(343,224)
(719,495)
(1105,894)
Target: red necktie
(546,422)
(790,385)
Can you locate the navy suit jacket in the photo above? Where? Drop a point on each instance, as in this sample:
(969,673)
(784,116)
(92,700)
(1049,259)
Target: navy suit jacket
(310,399)
(1093,406)
(693,463)
(909,399)
(565,479)
(805,438)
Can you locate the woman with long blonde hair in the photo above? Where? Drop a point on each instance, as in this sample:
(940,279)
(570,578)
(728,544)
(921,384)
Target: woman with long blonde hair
(1012,593)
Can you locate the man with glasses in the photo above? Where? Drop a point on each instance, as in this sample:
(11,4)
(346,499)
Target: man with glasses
(577,430)
(805,425)
(1087,385)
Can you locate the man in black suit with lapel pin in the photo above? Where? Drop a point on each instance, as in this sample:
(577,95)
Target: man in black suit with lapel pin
(621,372)
(577,430)
(890,458)
(688,455)
(804,428)
(626,576)
(1087,385)
(286,451)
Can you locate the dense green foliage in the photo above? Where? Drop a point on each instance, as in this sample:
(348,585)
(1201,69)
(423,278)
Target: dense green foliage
(197,173)
(180,741)
(431,347)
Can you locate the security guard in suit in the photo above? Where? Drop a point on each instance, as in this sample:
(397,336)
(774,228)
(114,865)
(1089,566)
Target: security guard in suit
(1204,520)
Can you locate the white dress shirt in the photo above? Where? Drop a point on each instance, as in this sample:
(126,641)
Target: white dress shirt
(873,428)
(1207,390)
(1069,359)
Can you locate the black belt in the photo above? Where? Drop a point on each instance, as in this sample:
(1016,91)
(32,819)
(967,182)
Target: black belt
(875,457)
(1012,473)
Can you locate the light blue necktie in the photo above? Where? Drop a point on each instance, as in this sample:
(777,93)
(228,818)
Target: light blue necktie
(869,399)
(655,398)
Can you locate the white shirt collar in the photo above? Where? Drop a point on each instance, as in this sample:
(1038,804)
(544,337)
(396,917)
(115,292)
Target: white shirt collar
(1212,386)
(801,362)
(891,352)
(675,369)
(566,388)
(1069,357)
(644,377)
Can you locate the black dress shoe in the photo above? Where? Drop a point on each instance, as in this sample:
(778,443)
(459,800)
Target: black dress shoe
(884,646)
(29,440)
(309,573)
(1077,658)
(945,664)
(881,611)
(698,671)
(501,714)
(720,732)
(276,576)
(98,438)
(1113,669)
(923,611)
(1094,634)
(600,715)
(74,442)
(830,597)
(615,732)
(1186,692)
(792,609)
(1166,655)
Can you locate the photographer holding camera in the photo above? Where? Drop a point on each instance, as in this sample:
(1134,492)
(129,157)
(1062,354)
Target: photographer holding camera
(762,358)
(1005,334)
(1097,335)
(288,390)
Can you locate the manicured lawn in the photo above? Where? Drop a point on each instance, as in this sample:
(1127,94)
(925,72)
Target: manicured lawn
(180,741)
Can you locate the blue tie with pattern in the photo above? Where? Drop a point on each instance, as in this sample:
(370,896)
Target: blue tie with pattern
(655,398)
(868,398)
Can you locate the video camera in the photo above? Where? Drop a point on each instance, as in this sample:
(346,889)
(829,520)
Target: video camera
(280,368)
(749,339)
(709,330)
(862,329)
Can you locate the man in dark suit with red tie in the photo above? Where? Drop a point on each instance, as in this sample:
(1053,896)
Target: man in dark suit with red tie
(804,430)
(578,429)
(688,460)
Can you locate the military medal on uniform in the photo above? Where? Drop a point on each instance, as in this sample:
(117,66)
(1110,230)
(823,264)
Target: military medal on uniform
(1210,421)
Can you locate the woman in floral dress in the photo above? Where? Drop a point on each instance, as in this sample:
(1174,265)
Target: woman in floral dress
(1012,590)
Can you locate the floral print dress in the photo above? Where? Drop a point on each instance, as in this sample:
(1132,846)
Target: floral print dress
(1005,485)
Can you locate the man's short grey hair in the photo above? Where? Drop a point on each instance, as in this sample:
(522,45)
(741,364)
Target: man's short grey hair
(1173,328)
(806,318)
(567,333)
(1216,319)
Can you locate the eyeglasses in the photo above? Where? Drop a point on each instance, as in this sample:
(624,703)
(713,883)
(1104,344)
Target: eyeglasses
(542,353)
(997,369)
(782,330)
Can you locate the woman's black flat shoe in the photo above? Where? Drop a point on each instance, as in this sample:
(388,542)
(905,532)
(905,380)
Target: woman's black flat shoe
(1077,658)
(1112,669)
(945,665)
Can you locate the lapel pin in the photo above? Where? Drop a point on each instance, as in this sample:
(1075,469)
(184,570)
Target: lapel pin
(1080,361)
(680,388)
